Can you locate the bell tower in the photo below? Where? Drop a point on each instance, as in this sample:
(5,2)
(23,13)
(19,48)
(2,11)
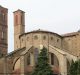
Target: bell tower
(19,27)
(3,30)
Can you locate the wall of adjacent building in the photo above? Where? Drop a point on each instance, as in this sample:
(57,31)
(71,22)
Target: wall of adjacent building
(71,44)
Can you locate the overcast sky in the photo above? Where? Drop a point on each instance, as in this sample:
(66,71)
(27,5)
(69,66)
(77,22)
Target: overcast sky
(60,16)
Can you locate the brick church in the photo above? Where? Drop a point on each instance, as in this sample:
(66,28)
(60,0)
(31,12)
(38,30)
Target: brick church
(62,49)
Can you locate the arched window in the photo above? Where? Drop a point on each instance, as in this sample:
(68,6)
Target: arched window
(36,53)
(57,40)
(51,38)
(54,60)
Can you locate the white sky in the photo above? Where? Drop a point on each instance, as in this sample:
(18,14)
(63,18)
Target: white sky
(60,16)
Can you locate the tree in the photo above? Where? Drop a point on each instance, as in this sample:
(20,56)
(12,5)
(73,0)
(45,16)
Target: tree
(75,68)
(42,67)
(78,70)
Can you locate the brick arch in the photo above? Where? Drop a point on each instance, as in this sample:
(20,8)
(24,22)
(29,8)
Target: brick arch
(55,58)
(54,63)
(15,60)
(61,56)
(70,57)
(17,70)
(55,52)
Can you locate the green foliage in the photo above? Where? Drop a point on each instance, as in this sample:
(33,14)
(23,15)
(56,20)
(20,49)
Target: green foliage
(42,67)
(75,68)
(78,68)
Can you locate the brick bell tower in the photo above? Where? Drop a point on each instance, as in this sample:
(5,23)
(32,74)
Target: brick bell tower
(19,27)
(3,31)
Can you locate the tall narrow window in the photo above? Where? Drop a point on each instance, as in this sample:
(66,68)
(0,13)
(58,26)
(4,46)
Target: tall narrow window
(57,40)
(51,38)
(16,19)
(0,16)
(2,34)
(52,59)
(21,19)
(36,53)
(0,12)
(28,60)
(3,17)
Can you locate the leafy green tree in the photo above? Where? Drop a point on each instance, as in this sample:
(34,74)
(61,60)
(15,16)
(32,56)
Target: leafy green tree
(78,70)
(75,68)
(71,71)
(42,67)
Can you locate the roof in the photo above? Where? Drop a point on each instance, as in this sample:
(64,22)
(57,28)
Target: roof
(70,34)
(39,31)
(3,7)
(45,31)
(19,10)
(15,51)
(79,30)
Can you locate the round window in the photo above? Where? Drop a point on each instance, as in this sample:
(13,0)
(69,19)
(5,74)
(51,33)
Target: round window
(35,37)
